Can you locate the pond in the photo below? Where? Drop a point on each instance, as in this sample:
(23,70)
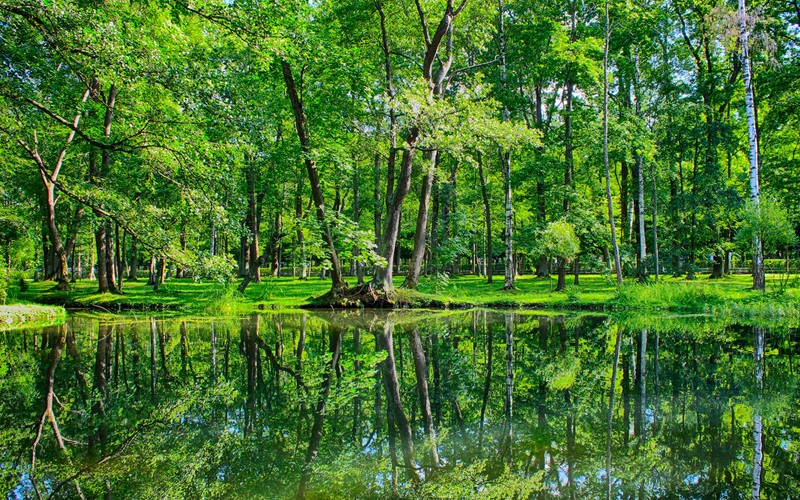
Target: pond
(490,404)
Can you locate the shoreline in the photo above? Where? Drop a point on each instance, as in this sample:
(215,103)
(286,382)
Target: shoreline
(24,315)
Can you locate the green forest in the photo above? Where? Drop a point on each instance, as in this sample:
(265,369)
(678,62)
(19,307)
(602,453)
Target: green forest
(383,146)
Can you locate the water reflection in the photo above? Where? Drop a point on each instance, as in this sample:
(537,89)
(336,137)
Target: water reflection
(366,405)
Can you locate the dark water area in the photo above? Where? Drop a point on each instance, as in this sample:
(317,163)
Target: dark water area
(472,404)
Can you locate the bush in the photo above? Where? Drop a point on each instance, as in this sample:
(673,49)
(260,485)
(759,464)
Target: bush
(439,281)
(218,268)
(5,283)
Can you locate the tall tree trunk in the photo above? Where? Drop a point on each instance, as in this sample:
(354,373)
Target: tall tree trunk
(49,179)
(277,238)
(610,203)
(505,158)
(376,214)
(382,281)
(337,280)
(118,256)
(752,135)
(180,271)
(253,224)
(301,241)
(359,266)
(111,269)
(642,238)
(102,261)
(487,215)
(152,270)
(134,259)
(656,263)
(623,200)
(415,266)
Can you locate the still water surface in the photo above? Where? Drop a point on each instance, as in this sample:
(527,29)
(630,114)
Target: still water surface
(373,405)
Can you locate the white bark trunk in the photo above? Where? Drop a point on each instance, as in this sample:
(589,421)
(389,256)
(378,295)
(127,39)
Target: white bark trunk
(758,258)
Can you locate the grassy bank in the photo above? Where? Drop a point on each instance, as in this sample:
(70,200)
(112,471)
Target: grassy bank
(16,315)
(730,295)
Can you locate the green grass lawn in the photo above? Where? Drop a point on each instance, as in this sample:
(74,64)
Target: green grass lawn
(731,295)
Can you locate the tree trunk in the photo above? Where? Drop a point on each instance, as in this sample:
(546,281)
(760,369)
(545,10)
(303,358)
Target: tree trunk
(414,267)
(359,266)
(102,261)
(642,238)
(617,265)
(562,274)
(376,214)
(118,257)
(277,237)
(505,157)
(657,264)
(752,134)
(337,281)
(134,260)
(487,215)
(382,281)
(301,241)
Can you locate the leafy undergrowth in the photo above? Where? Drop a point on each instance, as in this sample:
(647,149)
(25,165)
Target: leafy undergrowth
(730,296)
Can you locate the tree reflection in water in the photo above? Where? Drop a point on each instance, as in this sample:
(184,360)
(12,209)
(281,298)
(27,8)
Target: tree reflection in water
(306,405)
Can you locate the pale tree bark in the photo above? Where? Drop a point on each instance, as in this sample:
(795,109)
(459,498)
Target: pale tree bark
(752,134)
(642,254)
(505,158)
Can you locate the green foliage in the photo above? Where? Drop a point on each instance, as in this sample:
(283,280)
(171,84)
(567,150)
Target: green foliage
(5,283)
(217,268)
(439,281)
(558,239)
(770,222)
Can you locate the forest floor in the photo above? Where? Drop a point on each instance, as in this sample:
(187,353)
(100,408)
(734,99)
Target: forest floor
(730,295)
(15,315)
